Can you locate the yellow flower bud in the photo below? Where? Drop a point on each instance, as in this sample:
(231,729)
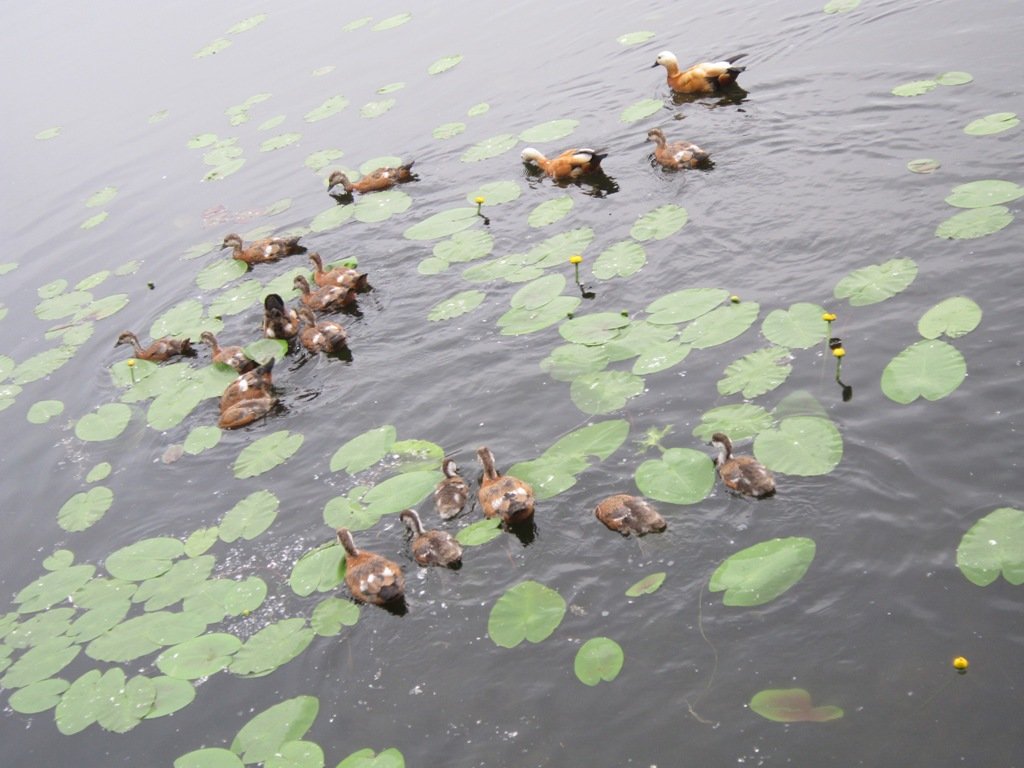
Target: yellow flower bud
(734,299)
(838,351)
(479,201)
(828,317)
(960,663)
(576,259)
(131,362)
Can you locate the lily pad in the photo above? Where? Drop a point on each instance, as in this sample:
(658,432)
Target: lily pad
(449,130)
(478,109)
(519,321)
(634,38)
(144,559)
(264,349)
(60,558)
(878,282)
(209,757)
(84,509)
(528,611)
(759,574)
(319,570)
(647,585)
(978,194)
(48,133)
(364,451)
(994,544)
(444,64)
(754,374)
(372,109)
(333,613)
(660,357)
(213,48)
(663,221)
(246,24)
(38,697)
(931,369)
(297,754)
(955,317)
(549,131)
(266,453)
(366,758)
(915,88)
(457,305)
(800,445)
(202,438)
(720,325)
(488,148)
(599,659)
(280,142)
(40,662)
(44,410)
(799,327)
(171,695)
(465,246)
(272,647)
(680,476)
(200,540)
(102,197)
(220,273)
(52,588)
(550,211)
(442,224)
(106,423)
(63,305)
(955,78)
(401,492)
(568,361)
(977,222)
(94,221)
(123,702)
(78,706)
(791,705)
(264,734)
(381,206)
(990,124)
(199,657)
(593,329)
(621,259)
(737,421)
(639,110)
(480,532)
(840,6)
(389,23)
(605,391)
(923,165)
(331,106)
(250,517)
(685,305)
(496,193)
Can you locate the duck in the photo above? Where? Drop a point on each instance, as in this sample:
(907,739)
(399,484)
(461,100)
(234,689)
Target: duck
(279,321)
(629,514)
(326,299)
(371,578)
(375,181)
(571,164)
(321,335)
(234,356)
(247,398)
(743,474)
(431,547)
(344,276)
(503,495)
(451,494)
(706,77)
(262,251)
(678,154)
(161,349)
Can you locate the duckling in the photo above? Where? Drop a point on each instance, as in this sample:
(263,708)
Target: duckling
(503,495)
(743,474)
(323,335)
(571,164)
(431,547)
(233,356)
(375,181)
(346,277)
(371,578)
(326,299)
(451,494)
(279,321)
(247,398)
(629,514)
(678,154)
(262,251)
(706,77)
(160,350)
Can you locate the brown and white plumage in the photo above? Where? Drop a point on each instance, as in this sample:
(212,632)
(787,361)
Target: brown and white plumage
(159,350)
(570,164)
(346,277)
(503,495)
(375,181)
(279,321)
(452,493)
(321,335)
(262,251)
(371,578)
(431,547)
(230,355)
(247,398)
(706,77)
(326,299)
(677,154)
(743,474)
(629,514)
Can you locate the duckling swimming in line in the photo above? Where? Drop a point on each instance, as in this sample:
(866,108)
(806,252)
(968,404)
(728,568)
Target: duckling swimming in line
(160,350)
(262,251)
(678,154)
(233,355)
(247,398)
(375,181)
(629,514)
(431,547)
(743,474)
(371,578)
(279,321)
(452,493)
(503,495)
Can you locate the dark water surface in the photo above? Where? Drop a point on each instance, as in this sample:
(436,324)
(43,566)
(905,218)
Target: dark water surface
(810,182)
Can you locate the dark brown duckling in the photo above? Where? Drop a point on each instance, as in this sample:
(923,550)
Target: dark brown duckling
(262,251)
(326,299)
(247,398)
(371,578)
(321,335)
(346,277)
(279,321)
(160,350)
(233,355)
(743,474)
(431,547)
(503,495)
(629,514)
(452,493)
(375,181)
(678,154)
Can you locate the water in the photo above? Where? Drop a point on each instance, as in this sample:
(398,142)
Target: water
(809,183)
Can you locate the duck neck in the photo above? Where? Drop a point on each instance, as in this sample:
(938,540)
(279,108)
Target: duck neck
(412,522)
(345,539)
(487,459)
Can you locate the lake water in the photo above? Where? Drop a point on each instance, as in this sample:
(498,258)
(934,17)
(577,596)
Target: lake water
(810,183)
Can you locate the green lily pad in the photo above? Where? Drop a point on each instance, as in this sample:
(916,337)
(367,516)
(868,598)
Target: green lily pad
(685,305)
(123,702)
(955,317)
(605,391)
(680,476)
(364,451)
(639,110)
(101,591)
(647,585)
(800,445)
(549,131)
(488,148)
(102,197)
(456,306)
(372,109)
(213,48)
(955,78)
(759,574)
(273,122)
(61,558)
(319,160)
(480,532)
(52,588)
(923,165)
(329,107)
(550,211)
(319,570)
(979,194)
(209,757)
(333,613)
(663,221)
(92,281)
(183,578)
(62,305)
(556,250)
(600,440)
(528,611)
(365,758)
(106,423)
(519,321)
(389,23)
(357,23)
(417,455)
(264,349)
(40,662)
(621,259)
(94,221)
(381,206)
(593,329)
(44,410)
(84,509)
(280,142)
(169,409)
(171,695)
(246,24)
(223,170)
(297,754)
(990,124)
(549,475)
(994,544)
(442,224)
(97,621)
(183,319)
(264,734)
(272,647)
(915,88)
(660,357)
(449,130)
(791,705)
(40,366)
(977,222)
(390,88)
(634,38)
(878,282)
(78,706)
(754,374)
(931,369)
(496,193)
(348,512)
(401,492)
(840,6)
(200,540)
(465,246)
(48,133)
(599,659)
(266,453)
(220,273)
(720,325)
(38,697)
(199,657)
(7,394)
(45,628)
(202,438)
(144,559)
(478,109)
(566,362)
(444,64)
(799,327)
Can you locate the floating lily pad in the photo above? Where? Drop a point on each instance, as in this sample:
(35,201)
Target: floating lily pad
(144,559)
(213,48)
(800,445)
(171,695)
(199,657)
(720,325)
(94,221)
(605,391)
(349,512)
(457,305)
(280,142)
(389,23)
(209,757)
(246,24)
(38,697)
(7,394)
(84,509)
(663,221)
(78,706)
(878,282)
(549,475)
(432,266)
(593,329)
(791,705)
(417,455)
(465,246)
(756,373)
(63,305)
(317,161)
(272,647)
(61,558)
(442,224)
(600,440)
(647,585)
(46,628)
(102,197)
(488,148)
(990,124)
(264,349)
(331,106)
(685,305)
(364,451)
(106,423)
(44,410)
(977,222)
(994,544)
(444,64)
(123,702)
(250,517)
(930,369)
(267,453)
(955,78)
(366,758)
(799,327)
(48,133)
(641,109)
(528,611)
(372,109)
(840,6)
(220,273)
(264,734)
(390,88)
(566,362)
(401,492)
(496,192)
(539,292)
(449,130)
(556,250)
(550,211)
(273,122)
(621,259)
(923,165)
(202,438)
(320,570)
(549,131)
(978,194)
(98,621)
(660,356)
(480,532)
(915,88)
(381,206)
(333,613)
(39,662)
(759,574)
(634,38)
(297,754)
(955,317)
(680,476)
(599,659)
(200,540)
(357,23)
(478,109)
(517,322)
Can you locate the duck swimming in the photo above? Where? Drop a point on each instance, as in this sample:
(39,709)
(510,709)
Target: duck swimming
(321,335)
(371,578)
(375,181)
(452,493)
(571,164)
(629,514)
(326,299)
(279,321)
(346,277)
(678,154)
(503,495)
(706,77)
(431,547)
(247,398)
(160,350)
(233,356)
(743,474)
(262,251)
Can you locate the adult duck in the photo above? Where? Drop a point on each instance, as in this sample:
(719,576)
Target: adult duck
(567,166)
(706,77)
